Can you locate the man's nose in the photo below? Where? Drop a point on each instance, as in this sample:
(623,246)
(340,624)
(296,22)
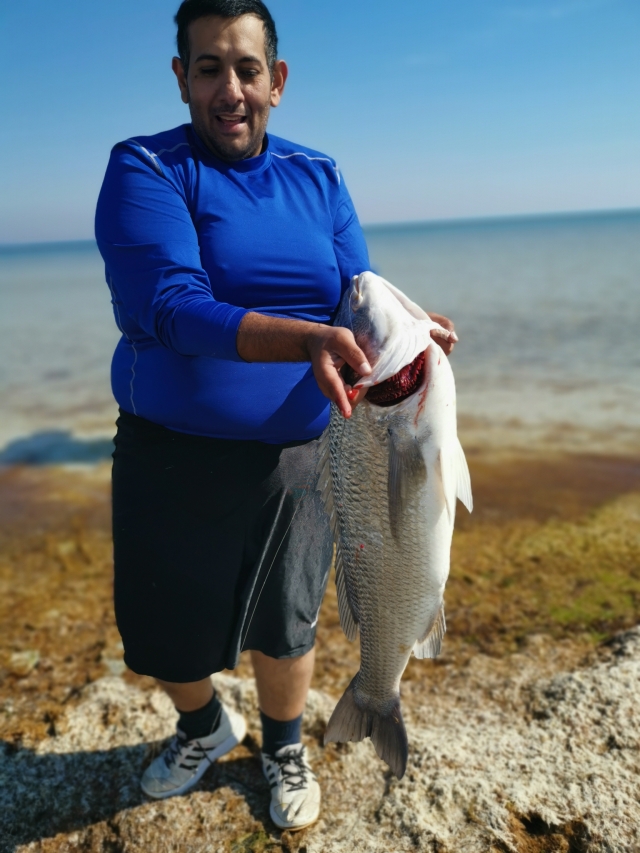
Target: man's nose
(231,86)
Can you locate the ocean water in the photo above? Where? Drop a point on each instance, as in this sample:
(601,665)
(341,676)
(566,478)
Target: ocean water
(548,313)
(547,309)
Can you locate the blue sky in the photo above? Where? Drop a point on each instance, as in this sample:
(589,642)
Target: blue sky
(433,108)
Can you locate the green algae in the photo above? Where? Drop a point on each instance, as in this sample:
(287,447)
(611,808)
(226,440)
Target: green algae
(560,577)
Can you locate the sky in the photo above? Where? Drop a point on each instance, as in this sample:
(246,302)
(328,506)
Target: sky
(433,109)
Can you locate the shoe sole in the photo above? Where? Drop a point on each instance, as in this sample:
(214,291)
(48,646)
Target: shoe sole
(226,746)
(292,827)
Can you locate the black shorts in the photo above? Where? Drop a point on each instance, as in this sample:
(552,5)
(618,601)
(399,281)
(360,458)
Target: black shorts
(219,546)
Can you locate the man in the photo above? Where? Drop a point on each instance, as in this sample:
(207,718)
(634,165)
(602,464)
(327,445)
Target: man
(226,253)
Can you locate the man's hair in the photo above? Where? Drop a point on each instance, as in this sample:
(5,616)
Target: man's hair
(191,10)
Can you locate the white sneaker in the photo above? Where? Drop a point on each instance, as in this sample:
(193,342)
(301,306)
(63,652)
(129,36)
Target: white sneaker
(184,762)
(295,793)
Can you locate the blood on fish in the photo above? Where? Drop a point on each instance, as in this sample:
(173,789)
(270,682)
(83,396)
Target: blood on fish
(393,390)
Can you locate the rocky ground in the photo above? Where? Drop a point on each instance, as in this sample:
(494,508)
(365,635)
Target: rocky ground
(523,735)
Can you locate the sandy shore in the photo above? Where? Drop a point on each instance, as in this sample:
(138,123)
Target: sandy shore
(544,574)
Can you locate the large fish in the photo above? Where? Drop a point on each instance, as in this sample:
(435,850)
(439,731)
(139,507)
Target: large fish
(390,477)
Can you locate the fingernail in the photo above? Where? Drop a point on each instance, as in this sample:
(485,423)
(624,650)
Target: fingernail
(364,368)
(454,337)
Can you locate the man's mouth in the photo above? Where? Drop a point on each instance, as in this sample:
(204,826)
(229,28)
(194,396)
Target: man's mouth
(231,121)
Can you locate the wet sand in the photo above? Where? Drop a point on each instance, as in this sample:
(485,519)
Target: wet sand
(550,556)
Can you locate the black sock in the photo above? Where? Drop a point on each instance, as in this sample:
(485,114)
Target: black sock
(275,734)
(202,722)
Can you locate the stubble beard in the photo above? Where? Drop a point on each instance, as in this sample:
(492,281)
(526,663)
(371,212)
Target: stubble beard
(229,152)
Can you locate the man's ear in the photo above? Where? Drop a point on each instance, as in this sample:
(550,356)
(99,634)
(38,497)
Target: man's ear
(279,78)
(178,70)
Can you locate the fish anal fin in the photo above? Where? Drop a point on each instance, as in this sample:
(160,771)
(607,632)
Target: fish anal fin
(430,645)
(348,618)
(407,472)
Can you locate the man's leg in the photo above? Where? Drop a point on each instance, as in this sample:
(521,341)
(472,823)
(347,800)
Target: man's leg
(283,684)
(282,694)
(188,697)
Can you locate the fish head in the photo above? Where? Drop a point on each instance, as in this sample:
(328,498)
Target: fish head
(367,309)
(391,330)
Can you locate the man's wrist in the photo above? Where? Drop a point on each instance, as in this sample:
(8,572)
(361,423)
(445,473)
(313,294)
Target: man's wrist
(264,338)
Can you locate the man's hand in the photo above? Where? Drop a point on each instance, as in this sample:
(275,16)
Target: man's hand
(447,344)
(328,348)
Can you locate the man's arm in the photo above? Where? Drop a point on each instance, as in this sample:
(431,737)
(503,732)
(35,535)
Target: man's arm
(328,348)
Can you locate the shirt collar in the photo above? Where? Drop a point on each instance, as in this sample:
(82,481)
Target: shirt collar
(251,164)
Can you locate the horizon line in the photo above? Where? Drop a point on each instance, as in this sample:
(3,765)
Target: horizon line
(375,226)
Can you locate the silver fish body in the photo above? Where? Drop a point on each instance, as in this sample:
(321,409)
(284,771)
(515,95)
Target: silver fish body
(391,478)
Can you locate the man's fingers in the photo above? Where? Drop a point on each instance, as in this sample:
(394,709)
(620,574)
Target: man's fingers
(446,323)
(330,348)
(338,395)
(348,349)
(355,395)
(445,335)
(446,341)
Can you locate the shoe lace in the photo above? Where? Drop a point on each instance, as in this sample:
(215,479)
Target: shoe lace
(173,750)
(293,769)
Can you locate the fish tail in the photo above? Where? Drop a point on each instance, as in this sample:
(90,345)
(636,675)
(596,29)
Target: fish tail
(353,720)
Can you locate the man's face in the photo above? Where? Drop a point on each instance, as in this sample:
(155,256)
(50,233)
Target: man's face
(228,87)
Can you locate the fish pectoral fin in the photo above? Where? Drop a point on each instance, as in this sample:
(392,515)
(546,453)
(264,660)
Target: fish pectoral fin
(452,468)
(444,476)
(407,471)
(463,480)
(348,618)
(430,645)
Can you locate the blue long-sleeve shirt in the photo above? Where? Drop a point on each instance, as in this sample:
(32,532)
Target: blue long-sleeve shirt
(190,244)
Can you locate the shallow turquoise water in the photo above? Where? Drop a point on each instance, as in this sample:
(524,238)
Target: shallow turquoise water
(548,311)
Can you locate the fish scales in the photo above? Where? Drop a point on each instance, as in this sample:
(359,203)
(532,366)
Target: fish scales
(394,476)
(382,573)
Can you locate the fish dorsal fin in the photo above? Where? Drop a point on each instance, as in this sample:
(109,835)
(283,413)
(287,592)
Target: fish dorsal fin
(430,644)
(407,472)
(348,619)
(324,483)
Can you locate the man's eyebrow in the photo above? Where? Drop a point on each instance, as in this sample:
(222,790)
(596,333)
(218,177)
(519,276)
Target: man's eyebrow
(211,57)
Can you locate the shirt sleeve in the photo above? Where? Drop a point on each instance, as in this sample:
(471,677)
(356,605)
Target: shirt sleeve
(150,247)
(349,243)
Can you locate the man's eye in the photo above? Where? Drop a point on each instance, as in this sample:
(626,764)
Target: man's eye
(209,71)
(249,72)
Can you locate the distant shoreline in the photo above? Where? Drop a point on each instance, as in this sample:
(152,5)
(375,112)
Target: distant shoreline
(7,249)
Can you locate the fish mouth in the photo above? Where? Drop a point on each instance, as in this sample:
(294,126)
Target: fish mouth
(397,388)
